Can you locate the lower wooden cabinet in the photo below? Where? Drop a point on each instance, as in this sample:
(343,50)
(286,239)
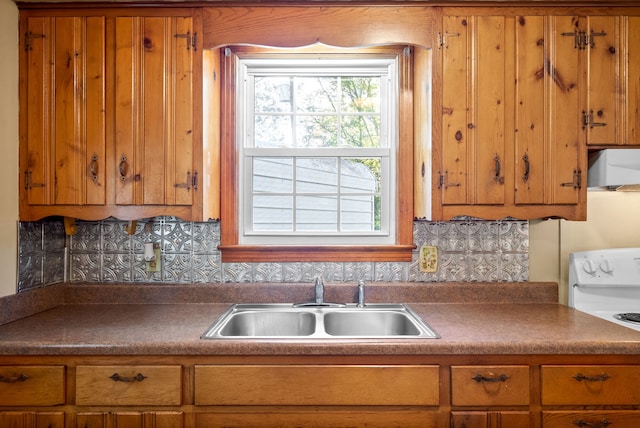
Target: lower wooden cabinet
(439,391)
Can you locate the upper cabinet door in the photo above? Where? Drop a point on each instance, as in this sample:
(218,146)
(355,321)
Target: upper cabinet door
(63,151)
(604,51)
(154,111)
(549,145)
(473,103)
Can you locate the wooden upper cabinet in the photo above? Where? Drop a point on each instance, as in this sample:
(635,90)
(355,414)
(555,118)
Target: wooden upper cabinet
(111,123)
(508,148)
(154,111)
(63,150)
(604,51)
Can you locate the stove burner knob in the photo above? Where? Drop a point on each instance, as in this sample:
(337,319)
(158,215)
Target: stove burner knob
(589,267)
(606,267)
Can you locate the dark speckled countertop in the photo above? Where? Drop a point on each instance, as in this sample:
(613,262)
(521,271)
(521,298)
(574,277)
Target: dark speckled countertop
(476,318)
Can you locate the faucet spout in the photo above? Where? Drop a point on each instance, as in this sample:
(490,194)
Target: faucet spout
(361,294)
(319,288)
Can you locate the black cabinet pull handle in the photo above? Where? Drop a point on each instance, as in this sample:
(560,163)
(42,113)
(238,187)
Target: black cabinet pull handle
(137,378)
(600,378)
(598,424)
(527,167)
(480,378)
(13,379)
(123,168)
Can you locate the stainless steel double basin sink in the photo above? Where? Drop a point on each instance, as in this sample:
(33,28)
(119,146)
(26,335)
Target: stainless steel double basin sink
(319,321)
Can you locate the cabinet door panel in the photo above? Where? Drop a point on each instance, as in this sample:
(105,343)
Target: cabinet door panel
(530,148)
(65,111)
(79,97)
(154,111)
(563,114)
(36,127)
(488,123)
(455,89)
(181,151)
(605,90)
(633,81)
(473,151)
(478,419)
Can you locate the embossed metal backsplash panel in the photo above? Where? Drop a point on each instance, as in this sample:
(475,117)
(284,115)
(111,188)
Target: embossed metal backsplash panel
(103,251)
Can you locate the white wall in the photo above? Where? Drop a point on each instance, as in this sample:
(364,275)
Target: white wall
(8,146)
(613,221)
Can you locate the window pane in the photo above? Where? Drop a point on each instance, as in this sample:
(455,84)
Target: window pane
(272,213)
(273,94)
(360,175)
(316,213)
(272,131)
(273,175)
(361,94)
(316,94)
(316,175)
(360,131)
(317,131)
(360,213)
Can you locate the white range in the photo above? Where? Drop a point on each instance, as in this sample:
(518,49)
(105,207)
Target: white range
(606,283)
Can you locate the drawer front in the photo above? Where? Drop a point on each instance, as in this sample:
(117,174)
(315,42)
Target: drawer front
(128,385)
(489,385)
(316,385)
(593,419)
(578,385)
(31,385)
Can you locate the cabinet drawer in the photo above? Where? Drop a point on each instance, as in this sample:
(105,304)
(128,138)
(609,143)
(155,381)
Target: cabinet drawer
(578,385)
(602,419)
(128,385)
(31,385)
(489,385)
(316,385)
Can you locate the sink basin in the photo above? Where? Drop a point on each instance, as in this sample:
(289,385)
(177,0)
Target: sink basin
(288,321)
(370,323)
(268,323)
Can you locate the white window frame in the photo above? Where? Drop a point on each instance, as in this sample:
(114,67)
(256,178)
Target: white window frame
(247,68)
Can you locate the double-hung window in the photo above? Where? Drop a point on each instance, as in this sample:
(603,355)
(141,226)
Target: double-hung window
(316,142)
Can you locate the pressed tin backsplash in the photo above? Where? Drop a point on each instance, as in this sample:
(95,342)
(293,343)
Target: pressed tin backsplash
(103,252)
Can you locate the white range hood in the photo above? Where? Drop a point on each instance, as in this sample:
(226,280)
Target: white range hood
(614,169)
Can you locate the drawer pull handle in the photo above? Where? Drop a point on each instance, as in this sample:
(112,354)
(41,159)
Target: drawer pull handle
(137,378)
(13,379)
(599,424)
(601,378)
(479,378)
